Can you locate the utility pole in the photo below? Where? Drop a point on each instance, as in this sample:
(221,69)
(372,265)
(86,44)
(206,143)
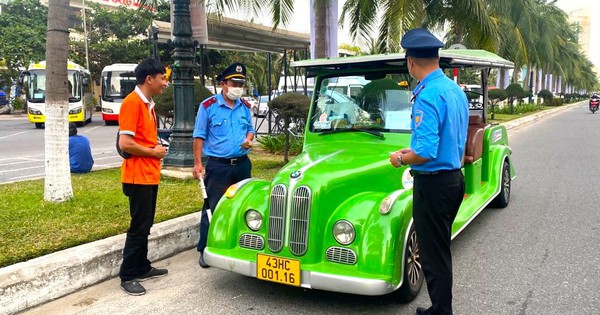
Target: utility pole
(85,40)
(180,149)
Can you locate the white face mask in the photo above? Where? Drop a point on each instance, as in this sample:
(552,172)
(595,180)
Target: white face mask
(234,93)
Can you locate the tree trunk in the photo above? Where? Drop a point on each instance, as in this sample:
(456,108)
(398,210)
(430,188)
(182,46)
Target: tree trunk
(320,14)
(57,186)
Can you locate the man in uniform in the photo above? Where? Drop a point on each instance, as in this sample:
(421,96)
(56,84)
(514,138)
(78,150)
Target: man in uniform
(223,133)
(439,131)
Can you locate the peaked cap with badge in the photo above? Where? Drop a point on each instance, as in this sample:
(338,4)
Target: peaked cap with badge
(235,72)
(420,43)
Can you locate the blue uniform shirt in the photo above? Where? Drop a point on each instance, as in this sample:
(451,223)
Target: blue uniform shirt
(440,117)
(223,129)
(80,154)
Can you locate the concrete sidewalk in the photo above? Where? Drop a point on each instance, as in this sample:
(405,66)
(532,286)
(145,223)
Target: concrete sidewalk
(40,280)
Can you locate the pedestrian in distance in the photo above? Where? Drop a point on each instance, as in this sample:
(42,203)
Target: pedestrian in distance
(140,173)
(439,131)
(223,133)
(80,152)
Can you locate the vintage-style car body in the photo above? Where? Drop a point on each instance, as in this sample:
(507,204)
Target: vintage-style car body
(338,217)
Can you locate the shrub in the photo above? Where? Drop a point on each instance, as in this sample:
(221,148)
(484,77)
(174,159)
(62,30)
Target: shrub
(164,102)
(514,91)
(495,96)
(557,101)
(546,95)
(18,103)
(289,106)
(276,144)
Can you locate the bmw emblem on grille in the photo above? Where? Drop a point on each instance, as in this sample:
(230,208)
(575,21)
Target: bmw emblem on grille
(295,174)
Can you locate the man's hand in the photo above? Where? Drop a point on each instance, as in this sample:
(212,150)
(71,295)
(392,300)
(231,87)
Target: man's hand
(159,151)
(198,171)
(394,156)
(247,144)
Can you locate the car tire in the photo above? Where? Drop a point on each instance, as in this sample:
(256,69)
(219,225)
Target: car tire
(503,198)
(413,270)
(39,125)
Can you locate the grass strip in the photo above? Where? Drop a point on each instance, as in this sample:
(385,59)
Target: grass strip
(32,227)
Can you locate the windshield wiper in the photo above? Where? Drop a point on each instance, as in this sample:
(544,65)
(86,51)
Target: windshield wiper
(369,131)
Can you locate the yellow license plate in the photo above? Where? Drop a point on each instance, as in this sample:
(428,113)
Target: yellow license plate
(277,269)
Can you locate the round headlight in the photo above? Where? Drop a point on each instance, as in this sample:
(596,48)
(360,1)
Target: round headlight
(343,232)
(253,220)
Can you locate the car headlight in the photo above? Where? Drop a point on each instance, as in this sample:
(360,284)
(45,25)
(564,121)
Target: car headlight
(75,110)
(107,110)
(253,220)
(343,232)
(34,111)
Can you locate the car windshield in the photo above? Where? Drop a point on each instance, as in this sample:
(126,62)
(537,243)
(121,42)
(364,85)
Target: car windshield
(355,102)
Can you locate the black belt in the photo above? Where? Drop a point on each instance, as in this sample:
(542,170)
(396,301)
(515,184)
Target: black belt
(424,173)
(230,161)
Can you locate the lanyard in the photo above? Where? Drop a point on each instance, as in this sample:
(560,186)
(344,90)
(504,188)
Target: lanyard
(416,93)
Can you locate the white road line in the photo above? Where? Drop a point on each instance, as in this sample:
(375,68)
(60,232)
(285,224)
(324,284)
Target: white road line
(23,169)
(22,162)
(16,134)
(88,130)
(28,176)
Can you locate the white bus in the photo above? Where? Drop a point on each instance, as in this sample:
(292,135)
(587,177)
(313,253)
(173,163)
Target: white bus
(81,106)
(118,80)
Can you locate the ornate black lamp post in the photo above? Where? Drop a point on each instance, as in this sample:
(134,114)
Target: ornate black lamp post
(180,149)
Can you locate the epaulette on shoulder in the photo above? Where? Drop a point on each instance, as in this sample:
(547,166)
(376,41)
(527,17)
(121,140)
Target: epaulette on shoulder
(246,103)
(209,101)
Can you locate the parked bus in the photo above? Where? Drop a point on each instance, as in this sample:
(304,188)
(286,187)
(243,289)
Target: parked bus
(81,106)
(118,80)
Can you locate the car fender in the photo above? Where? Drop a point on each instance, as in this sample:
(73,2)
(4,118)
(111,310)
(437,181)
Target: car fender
(229,216)
(380,238)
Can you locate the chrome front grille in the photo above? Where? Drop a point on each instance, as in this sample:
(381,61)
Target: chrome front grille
(300,215)
(341,255)
(277,218)
(252,241)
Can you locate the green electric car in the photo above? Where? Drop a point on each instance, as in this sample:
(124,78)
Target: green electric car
(338,217)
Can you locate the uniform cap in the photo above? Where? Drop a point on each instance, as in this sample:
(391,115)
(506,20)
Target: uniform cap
(235,72)
(420,43)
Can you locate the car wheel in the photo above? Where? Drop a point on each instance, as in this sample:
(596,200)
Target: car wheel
(503,198)
(413,270)
(80,123)
(39,125)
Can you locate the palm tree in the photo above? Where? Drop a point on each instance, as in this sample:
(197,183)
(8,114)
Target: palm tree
(57,187)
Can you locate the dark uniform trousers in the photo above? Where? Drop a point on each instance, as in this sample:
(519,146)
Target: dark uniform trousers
(218,176)
(436,200)
(142,206)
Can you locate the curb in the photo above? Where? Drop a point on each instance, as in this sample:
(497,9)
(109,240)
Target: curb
(40,280)
(533,117)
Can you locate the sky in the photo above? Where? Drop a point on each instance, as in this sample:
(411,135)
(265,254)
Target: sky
(300,21)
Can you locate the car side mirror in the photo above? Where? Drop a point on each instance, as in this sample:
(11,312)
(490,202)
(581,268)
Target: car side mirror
(22,77)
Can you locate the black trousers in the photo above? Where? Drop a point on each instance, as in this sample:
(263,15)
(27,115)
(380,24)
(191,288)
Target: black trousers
(436,200)
(142,206)
(218,176)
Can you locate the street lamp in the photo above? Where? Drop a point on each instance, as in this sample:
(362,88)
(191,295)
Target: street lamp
(180,149)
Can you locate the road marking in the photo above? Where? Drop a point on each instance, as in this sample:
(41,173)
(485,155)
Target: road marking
(22,162)
(16,134)
(88,130)
(23,169)
(28,176)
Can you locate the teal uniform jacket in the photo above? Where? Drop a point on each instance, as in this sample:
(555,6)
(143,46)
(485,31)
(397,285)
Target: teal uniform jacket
(440,117)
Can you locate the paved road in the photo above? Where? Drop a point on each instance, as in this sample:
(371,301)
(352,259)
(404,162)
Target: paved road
(540,255)
(22,146)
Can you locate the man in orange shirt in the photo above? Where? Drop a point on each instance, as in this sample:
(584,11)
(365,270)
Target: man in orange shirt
(140,174)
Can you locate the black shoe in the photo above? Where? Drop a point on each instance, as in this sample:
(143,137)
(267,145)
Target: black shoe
(202,263)
(153,273)
(422,311)
(133,287)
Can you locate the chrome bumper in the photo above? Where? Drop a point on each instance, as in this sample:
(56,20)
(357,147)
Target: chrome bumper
(309,279)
